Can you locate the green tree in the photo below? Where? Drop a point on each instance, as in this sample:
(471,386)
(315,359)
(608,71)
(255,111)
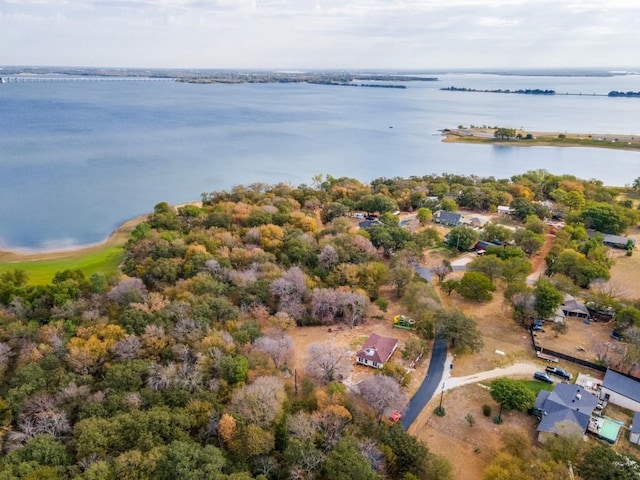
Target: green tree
(547,299)
(400,275)
(490,265)
(512,395)
(529,241)
(448,204)
(189,461)
(476,286)
(459,331)
(449,285)
(503,133)
(345,462)
(602,462)
(515,268)
(424,215)
(492,231)
(377,203)
(603,217)
(462,237)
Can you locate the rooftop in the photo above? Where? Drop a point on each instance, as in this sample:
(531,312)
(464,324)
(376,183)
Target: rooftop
(622,384)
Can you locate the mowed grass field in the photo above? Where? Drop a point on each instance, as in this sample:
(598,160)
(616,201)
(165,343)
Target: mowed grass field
(105,257)
(41,271)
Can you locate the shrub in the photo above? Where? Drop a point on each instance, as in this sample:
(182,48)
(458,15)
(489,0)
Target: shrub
(382,304)
(486,410)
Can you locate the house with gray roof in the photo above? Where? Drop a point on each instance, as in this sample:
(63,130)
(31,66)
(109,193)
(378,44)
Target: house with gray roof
(573,308)
(615,241)
(376,351)
(565,410)
(621,390)
(634,431)
(447,218)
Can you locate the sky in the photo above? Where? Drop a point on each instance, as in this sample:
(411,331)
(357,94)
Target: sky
(316,34)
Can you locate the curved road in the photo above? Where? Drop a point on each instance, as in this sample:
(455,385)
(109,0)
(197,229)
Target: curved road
(429,385)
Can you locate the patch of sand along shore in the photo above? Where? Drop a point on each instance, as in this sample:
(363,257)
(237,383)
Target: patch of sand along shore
(118,237)
(539,138)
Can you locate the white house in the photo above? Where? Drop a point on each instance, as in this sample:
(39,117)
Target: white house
(376,350)
(503,209)
(621,390)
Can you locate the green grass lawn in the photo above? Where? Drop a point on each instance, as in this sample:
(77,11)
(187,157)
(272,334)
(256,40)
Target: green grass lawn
(41,272)
(535,386)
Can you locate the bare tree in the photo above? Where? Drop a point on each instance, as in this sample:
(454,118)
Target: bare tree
(383,394)
(441,270)
(324,304)
(260,402)
(631,357)
(328,257)
(330,422)
(277,345)
(128,290)
(128,348)
(5,356)
(353,306)
(291,290)
(601,349)
(369,450)
(302,426)
(328,362)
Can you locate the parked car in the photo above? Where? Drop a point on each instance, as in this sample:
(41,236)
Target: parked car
(543,377)
(537,326)
(616,335)
(559,372)
(395,416)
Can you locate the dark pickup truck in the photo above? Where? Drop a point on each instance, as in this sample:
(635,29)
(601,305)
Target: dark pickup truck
(559,372)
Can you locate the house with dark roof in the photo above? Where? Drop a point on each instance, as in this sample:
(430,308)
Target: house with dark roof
(565,410)
(574,308)
(621,390)
(447,218)
(634,431)
(376,351)
(615,241)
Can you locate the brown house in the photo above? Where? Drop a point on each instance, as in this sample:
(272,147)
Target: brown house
(376,350)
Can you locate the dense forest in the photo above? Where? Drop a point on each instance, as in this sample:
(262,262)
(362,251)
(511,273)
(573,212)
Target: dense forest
(182,366)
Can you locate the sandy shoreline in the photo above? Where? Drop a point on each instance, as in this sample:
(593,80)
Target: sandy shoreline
(118,237)
(545,139)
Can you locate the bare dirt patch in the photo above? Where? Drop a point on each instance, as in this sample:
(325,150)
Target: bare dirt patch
(354,338)
(625,273)
(469,448)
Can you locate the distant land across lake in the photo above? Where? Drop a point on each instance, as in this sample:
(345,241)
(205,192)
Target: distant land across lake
(79,158)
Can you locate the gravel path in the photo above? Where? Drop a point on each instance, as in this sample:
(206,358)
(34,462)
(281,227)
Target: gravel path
(450,382)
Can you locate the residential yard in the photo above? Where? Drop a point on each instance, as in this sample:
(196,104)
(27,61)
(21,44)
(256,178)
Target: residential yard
(625,273)
(469,448)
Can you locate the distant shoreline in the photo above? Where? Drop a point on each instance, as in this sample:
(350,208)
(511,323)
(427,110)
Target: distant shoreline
(485,135)
(118,236)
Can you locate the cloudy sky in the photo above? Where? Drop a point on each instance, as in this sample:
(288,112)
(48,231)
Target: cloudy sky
(402,34)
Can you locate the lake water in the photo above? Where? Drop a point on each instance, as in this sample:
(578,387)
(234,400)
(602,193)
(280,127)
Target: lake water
(79,158)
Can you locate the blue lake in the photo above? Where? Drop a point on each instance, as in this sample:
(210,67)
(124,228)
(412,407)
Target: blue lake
(79,158)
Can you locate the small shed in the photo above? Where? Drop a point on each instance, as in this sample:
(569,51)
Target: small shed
(505,210)
(376,351)
(634,432)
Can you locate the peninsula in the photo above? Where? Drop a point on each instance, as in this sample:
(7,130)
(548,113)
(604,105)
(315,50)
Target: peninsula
(522,138)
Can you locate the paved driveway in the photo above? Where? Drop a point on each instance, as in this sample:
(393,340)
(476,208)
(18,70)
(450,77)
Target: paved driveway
(431,382)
